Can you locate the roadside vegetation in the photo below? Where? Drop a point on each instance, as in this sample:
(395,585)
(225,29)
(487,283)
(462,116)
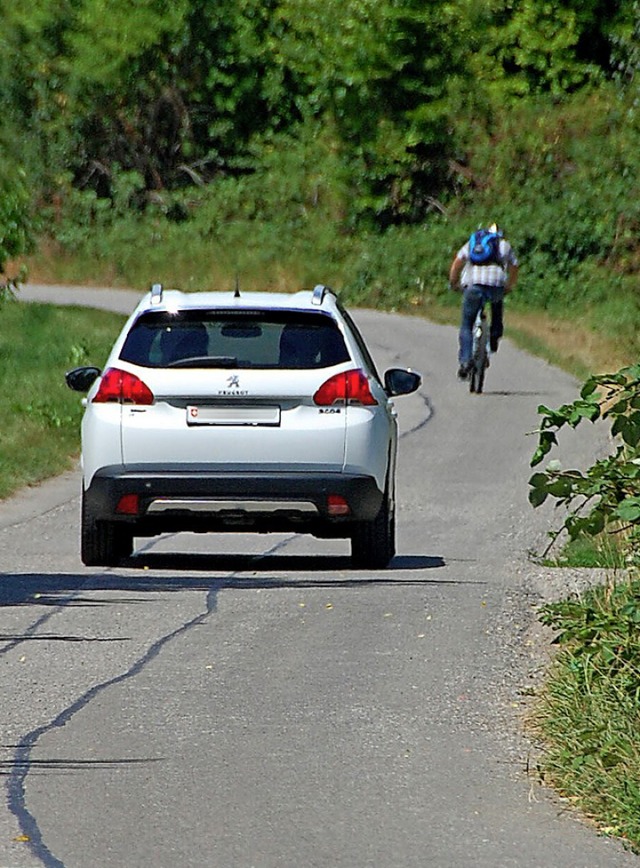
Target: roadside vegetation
(40,416)
(588,715)
(355,143)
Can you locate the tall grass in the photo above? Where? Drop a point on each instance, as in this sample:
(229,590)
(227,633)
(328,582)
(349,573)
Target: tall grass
(588,715)
(40,415)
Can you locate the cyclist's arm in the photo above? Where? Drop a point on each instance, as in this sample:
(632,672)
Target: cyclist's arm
(455,271)
(512,277)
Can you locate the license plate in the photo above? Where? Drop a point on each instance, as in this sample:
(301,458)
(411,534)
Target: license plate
(233,415)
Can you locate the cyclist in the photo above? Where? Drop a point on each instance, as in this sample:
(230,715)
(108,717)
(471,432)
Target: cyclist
(488,282)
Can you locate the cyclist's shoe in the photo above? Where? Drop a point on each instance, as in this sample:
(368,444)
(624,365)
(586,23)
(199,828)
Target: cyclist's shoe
(493,345)
(463,372)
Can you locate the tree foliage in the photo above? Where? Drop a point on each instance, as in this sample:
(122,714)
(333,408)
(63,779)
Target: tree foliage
(186,91)
(554,47)
(16,224)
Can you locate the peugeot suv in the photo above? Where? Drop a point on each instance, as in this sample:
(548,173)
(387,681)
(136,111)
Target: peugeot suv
(239,412)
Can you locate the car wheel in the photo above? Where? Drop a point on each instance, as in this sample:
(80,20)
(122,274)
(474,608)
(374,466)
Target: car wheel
(373,543)
(102,543)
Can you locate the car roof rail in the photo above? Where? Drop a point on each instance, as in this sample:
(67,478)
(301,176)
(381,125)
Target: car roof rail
(319,293)
(156,293)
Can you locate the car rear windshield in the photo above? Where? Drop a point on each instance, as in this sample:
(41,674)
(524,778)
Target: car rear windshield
(234,339)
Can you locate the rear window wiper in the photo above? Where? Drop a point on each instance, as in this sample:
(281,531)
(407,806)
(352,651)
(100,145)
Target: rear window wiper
(204,362)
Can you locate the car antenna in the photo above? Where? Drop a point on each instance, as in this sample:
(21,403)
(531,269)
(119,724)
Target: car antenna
(236,294)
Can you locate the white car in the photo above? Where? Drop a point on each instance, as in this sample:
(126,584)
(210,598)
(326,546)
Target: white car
(239,412)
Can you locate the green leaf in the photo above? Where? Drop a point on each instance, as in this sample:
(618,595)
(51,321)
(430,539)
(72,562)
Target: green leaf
(561,487)
(547,440)
(628,510)
(538,493)
(589,388)
(537,497)
(631,431)
(588,410)
(618,426)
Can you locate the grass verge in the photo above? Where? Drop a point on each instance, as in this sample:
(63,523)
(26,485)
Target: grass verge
(40,415)
(604,551)
(587,718)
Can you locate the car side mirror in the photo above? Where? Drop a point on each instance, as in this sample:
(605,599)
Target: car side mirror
(81,379)
(399,381)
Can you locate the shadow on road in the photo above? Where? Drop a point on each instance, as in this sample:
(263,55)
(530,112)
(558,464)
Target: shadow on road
(214,574)
(491,393)
(271,563)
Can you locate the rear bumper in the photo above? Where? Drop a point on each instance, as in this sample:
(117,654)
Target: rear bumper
(177,498)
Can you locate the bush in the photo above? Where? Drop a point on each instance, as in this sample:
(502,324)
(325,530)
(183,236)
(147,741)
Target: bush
(606,497)
(17,227)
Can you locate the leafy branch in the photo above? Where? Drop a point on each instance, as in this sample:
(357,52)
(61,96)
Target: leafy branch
(606,497)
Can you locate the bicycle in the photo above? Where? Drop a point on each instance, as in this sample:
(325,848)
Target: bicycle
(480,353)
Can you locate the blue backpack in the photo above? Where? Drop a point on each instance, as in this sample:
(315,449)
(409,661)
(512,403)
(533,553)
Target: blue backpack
(484,247)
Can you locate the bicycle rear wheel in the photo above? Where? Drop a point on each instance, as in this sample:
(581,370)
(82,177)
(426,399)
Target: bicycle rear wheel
(476,378)
(473,377)
(479,358)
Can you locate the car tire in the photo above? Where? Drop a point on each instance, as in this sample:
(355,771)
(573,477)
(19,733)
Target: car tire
(103,543)
(373,543)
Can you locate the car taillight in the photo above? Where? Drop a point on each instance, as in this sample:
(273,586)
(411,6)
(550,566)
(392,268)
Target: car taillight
(351,387)
(129,504)
(122,387)
(337,505)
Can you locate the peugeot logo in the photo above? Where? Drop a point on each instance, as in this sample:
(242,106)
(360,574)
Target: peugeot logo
(233,384)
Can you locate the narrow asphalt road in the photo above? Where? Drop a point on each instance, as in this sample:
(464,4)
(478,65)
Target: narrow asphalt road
(233,701)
